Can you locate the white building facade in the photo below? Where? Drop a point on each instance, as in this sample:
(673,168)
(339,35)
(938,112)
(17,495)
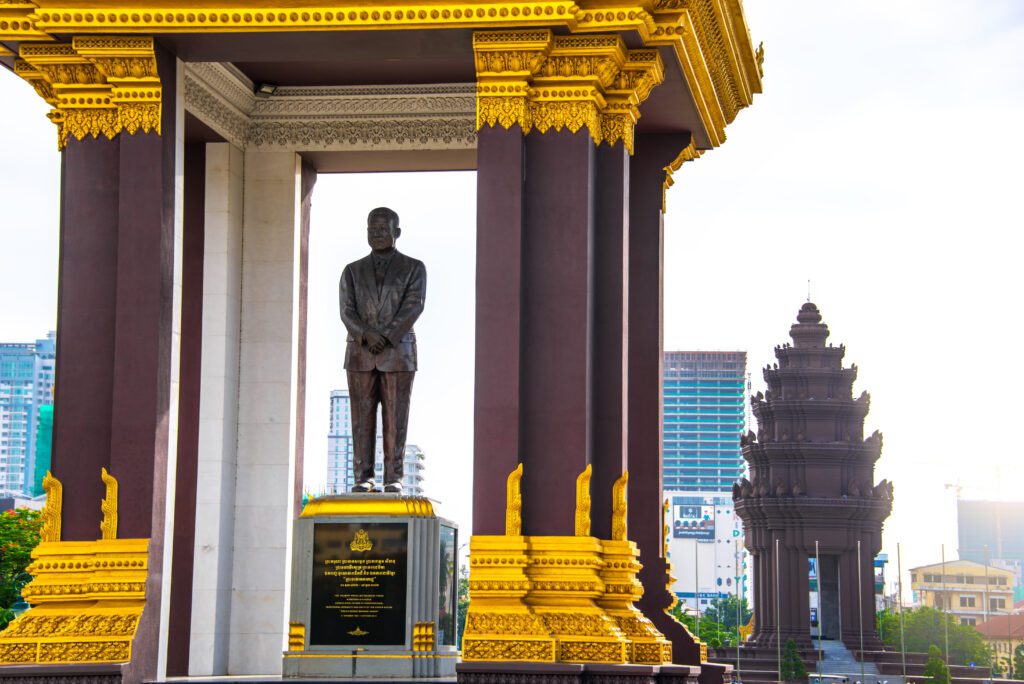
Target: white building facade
(339,453)
(705,543)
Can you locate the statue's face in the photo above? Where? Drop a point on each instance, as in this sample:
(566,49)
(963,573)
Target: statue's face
(381,234)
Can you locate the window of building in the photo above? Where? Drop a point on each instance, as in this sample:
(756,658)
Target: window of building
(997,604)
(967,602)
(968,621)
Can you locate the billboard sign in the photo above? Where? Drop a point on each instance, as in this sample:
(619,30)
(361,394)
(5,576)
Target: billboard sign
(693,520)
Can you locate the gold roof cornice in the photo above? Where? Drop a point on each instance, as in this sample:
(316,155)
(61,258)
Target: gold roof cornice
(709,37)
(537,80)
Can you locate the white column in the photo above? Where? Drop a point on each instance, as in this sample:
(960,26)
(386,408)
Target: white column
(268,372)
(174,386)
(218,412)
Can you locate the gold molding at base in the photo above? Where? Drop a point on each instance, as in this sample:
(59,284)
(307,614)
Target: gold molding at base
(87,599)
(366,504)
(288,654)
(647,645)
(499,623)
(565,588)
(296,636)
(423,637)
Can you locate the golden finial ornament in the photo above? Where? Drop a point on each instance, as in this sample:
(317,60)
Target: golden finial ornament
(514,503)
(50,531)
(619,532)
(583,502)
(108,526)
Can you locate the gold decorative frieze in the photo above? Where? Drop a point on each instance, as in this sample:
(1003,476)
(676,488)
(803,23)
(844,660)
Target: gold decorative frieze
(709,37)
(540,81)
(65,16)
(50,515)
(87,599)
(108,525)
(619,508)
(96,85)
(583,502)
(689,153)
(514,503)
(622,588)
(499,623)
(719,63)
(565,588)
(17,22)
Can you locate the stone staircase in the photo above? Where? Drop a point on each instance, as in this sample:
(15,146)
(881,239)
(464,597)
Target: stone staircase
(838,662)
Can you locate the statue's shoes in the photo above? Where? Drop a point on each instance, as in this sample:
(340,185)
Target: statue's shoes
(395,487)
(363,487)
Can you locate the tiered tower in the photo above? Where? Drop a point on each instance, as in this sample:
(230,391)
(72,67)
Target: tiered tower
(812,482)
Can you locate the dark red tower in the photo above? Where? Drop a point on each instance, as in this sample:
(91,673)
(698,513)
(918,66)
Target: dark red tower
(812,480)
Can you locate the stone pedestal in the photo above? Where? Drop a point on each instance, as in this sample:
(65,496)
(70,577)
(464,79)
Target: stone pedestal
(373,589)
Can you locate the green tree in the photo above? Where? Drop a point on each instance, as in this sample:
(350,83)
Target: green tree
(1018,662)
(19,534)
(712,633)
(924,627)
(463,602)
(935,669)
(724,611)
(792,667)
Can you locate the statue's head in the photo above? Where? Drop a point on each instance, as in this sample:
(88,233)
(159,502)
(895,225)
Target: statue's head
(382,229)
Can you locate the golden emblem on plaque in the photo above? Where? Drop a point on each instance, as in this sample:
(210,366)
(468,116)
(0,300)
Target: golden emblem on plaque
(361,543)
(358,631)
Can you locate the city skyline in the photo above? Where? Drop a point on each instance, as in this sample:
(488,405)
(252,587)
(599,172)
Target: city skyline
(704,400)
(26,386)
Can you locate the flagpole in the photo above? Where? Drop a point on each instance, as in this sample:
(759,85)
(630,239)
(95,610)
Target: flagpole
(778,627)
(860,609)
(821,612)
(945,604)
(903,643)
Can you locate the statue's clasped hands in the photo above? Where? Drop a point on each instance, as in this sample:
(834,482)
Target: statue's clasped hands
(374,341)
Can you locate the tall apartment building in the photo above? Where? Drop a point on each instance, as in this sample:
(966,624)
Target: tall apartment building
(339,453)
(704,417)
(339,444)
(26,383)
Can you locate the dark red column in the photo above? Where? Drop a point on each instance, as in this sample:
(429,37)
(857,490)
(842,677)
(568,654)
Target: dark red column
(499,235)
(557,320)
(86,308)
(114,343)
(646,255)
(535,201)
(611,253)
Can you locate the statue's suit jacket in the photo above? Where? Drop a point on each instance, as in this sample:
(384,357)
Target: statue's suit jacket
(391,312)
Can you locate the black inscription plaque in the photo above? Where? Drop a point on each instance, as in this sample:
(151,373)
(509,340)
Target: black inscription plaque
(359,582)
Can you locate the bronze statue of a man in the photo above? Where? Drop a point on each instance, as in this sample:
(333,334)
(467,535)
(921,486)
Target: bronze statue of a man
(381,297)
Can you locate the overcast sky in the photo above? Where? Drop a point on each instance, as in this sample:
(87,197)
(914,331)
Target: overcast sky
(882,163)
